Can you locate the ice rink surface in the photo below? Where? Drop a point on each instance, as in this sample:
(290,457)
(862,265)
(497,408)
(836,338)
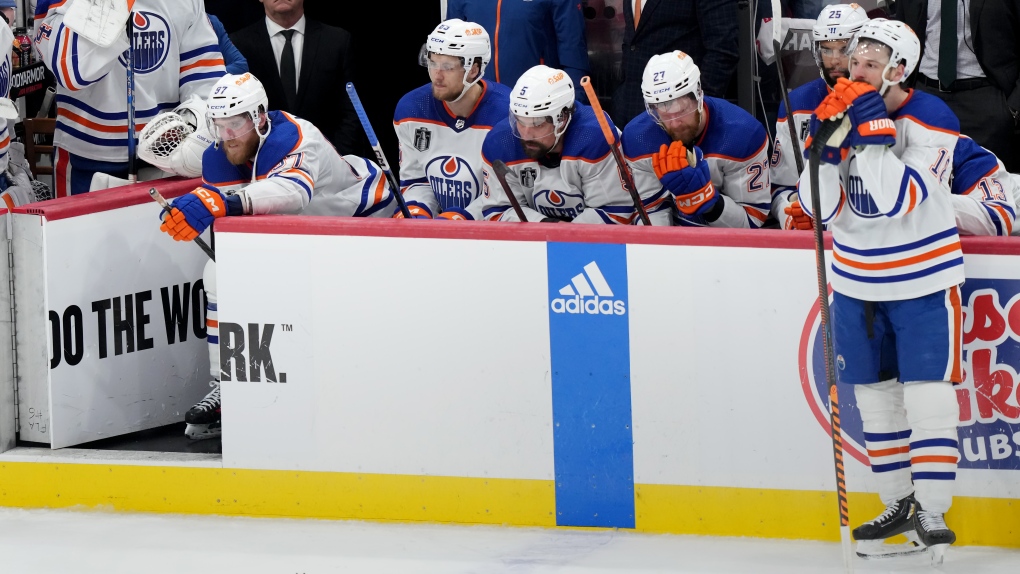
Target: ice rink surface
(68,542)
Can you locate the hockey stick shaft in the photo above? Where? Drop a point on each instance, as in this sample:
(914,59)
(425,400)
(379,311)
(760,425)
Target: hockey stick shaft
(500,169)
(379,155)
(614,146)
(818,143)
(130,70)
(158,198)
(777,45)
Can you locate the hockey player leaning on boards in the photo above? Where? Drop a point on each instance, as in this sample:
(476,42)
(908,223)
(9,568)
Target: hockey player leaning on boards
(264,162)
(709,157)
(561,168)
(176,57)
(832,32)
(897,267)
(441,125)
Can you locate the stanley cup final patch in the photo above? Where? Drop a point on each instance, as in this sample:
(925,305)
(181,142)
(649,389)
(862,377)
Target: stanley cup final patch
(422,139)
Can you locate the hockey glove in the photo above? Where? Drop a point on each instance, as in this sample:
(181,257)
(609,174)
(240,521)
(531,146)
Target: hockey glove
(417,211)
(455,214)
(796,218)
(685,174)
(193,213)
(868,117)
(838,146)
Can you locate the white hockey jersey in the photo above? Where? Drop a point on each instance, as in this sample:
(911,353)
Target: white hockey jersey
(736,148)
(176,54)
(297,171)
(440,153)
(893,229)
(582,185)
(984,193)
(6,69)
(783,165)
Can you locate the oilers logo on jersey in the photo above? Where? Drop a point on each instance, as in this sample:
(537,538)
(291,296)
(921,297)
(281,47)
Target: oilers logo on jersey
(422,139)
(553,203)
(452,180)
(151,42)
(859,199)
(588,293)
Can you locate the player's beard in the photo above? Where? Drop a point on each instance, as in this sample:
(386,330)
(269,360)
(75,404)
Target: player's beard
(241,150)
(447,93)
(534,150)
(834,74)
(685,132)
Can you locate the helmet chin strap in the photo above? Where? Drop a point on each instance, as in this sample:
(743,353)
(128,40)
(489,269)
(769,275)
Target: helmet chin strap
(262,140)
(467,88)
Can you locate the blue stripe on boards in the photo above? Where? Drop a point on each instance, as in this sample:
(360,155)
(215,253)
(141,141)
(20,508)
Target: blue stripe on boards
(589,339)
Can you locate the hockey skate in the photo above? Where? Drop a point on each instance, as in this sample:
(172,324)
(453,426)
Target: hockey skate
(898,518)
(204,418)
(934,534)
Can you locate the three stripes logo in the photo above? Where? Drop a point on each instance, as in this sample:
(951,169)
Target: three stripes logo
(588,293)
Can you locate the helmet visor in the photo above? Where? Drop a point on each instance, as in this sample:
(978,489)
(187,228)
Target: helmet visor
(224,129)
(531,128)
(672,110)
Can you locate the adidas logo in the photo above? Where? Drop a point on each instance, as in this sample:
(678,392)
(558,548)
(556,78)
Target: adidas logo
(588,293)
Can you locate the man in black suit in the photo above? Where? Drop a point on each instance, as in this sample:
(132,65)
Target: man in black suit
(977,71)
(706,30)
(304,66)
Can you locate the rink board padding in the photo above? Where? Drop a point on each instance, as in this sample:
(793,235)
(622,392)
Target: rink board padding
(8,423)
(110,340)
(492,373)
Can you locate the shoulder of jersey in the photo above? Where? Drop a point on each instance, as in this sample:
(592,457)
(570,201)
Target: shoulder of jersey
(971,162)
(287,134)
(501,144)
(495,105)
(804,99)
(731,132)
(643,137)
(584,138)
(416,105)
(929,112)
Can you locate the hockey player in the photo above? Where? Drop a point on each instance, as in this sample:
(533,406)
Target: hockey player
(897,266)
(441,125)
(176,55)
(835,26)
(707,156)
(265,162)
(984,193)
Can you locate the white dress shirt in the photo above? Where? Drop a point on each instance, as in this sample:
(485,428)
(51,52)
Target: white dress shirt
(297,42)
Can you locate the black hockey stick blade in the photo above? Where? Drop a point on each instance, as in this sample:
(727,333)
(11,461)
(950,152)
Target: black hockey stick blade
(500,169)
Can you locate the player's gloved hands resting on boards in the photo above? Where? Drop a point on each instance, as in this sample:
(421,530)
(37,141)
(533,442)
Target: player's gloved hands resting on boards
(194,212)
(686,175)
(796,218)
(417,212)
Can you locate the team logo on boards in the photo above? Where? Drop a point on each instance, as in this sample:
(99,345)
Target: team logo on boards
(528,176)
(453,181)
(588,293)
(989,397)
(422,139)
(151,42)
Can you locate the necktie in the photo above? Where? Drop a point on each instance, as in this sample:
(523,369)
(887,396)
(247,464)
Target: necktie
(947,44)
(637,13)
(287,74)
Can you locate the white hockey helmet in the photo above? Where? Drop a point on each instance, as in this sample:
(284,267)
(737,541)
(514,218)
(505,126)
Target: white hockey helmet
(542,94)
(240,98)
(836,22)
(902,42)
(465,40)
(666,79)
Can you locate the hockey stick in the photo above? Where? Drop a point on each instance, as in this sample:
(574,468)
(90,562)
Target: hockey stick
(132,167)
(614,147)
(500,169)
(379,156)
(777,45)
(158,198)
(818,143)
